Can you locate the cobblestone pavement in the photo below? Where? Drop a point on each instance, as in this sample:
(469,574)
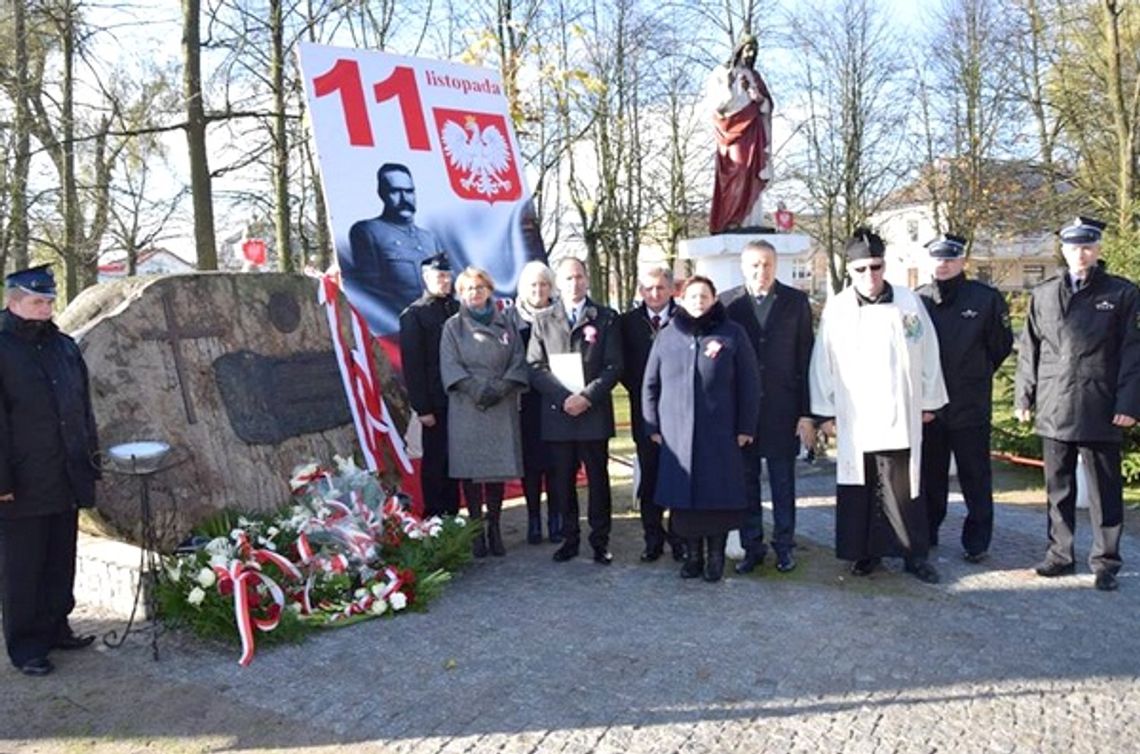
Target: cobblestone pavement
(525,655)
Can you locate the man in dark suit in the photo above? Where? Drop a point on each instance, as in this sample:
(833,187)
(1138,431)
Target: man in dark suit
(777,319)
(1078,369)
(639,328)
(575,360)
(47,472)
(974,338)
(421,327)
(381,266)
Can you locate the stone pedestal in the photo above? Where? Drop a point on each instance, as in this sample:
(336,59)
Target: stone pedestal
(106,576)
(718,257)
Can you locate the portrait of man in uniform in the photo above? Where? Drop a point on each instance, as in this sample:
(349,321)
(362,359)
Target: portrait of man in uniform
(380,268)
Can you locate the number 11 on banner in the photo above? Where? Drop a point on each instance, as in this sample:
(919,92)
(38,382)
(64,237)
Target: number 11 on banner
(343,79)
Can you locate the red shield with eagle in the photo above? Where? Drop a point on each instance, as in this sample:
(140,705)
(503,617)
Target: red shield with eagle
(477,154)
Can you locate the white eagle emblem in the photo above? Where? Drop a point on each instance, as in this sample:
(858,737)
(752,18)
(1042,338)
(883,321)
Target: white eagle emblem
(482,154)
(1105,306)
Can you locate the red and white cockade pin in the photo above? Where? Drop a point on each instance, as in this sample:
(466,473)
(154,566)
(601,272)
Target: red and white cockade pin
(712,348)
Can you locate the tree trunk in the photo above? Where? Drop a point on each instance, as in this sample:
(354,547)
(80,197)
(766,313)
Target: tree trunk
(200,181)
(280,140)
(1126,170)
(18,218)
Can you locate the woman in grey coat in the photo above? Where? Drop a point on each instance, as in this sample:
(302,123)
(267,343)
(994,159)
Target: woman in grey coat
(483,366)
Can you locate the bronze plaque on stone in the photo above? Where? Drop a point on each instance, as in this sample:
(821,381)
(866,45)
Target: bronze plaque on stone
(270,399)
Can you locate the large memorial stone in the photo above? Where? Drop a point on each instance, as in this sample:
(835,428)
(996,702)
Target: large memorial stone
(236,371)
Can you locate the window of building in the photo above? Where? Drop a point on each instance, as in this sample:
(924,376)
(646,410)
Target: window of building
(1032,274)
(801,269)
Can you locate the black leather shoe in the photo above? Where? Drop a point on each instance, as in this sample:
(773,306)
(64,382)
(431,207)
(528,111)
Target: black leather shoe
(679,552)
(866,566)
(651,555)
(72,641)
(975,557)
(785,563)
(602,556)
(922,571)
(750,563)
(565,552)
(37,666)
(534,530)
(1106,581)
(1051,569)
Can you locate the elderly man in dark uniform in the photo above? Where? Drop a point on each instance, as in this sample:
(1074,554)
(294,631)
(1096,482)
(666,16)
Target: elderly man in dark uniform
(777,319)
(974,338)
(380,267)
(421,327)
(639,328)
(575,361)
(47,472)
(1078,369)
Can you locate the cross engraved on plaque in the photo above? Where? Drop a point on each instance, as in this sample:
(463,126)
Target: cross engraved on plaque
(174,335)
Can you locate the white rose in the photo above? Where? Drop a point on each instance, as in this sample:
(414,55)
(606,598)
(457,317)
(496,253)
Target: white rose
(460,521)
(295,607)
(221,561)
(399,600)
(379,607)
(359,593)
(378,590)
(207,578)
(273,531)
(196,596)
(174,572)
(415,534)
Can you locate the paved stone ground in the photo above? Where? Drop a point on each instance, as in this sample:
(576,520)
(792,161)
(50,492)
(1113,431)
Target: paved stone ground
(525,655)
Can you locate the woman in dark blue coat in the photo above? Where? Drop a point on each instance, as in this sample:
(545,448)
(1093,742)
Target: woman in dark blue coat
(700,399)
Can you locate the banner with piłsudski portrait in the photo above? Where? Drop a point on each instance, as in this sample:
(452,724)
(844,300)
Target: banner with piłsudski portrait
(417,156)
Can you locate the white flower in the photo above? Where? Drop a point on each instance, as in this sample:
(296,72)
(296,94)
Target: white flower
(398,600)
(460,521)
(295,607)
(435,531)
(359,593)
(174,572)
(378,590)
(379,607)
(273,531)
(271,546)
(207,578)
(196,596)
(235,534)
(435,521)
(219,561)
(415,533)
(244,522)
(218,546)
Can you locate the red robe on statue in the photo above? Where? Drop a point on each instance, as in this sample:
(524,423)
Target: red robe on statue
(742,146)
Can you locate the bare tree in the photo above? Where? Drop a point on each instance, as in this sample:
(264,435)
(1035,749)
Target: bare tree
(849,155)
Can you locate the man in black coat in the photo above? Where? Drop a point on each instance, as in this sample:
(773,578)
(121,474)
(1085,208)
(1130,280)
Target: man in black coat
(421,326)
(639,328)
(47,472)
(777,319)
(1078,369)
(974,338)
(575,361)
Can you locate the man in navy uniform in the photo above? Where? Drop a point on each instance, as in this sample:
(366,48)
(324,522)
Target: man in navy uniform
(577,340)
(639,328)
(47,472)
(777,319)
(1078,370)
(421,327)
(974,338)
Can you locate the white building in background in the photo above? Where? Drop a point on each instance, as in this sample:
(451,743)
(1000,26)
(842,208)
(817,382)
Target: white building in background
(1013,257)
(153,261)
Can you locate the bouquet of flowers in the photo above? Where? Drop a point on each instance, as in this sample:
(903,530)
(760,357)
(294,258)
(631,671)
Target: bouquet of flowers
(344,551)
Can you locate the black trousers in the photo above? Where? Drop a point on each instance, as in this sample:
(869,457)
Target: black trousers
(565,458)
(1106,503)
(37,579)
(971,449)
(652,515)
(441,492)
(881,517)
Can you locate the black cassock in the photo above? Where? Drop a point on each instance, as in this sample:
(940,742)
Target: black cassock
(881,518)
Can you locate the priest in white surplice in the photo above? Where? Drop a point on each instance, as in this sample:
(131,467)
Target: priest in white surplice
(875,378)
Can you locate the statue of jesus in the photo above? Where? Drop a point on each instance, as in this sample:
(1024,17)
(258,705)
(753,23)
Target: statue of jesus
(741,110)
